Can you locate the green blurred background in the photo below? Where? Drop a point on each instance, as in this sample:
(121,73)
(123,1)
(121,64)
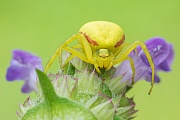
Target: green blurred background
(40,26)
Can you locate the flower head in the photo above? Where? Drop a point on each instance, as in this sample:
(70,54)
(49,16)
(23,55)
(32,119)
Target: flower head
(22,67)
(162,54)
(78,92)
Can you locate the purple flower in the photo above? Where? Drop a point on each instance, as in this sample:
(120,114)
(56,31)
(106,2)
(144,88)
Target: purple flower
(22,67)
(162,54)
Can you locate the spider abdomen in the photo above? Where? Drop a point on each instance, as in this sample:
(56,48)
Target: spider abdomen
(103,35)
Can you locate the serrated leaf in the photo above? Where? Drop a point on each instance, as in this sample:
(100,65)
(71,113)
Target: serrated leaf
(115,85)
(104,111)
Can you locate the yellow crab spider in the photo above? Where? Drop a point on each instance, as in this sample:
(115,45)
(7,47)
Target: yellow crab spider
(102,44)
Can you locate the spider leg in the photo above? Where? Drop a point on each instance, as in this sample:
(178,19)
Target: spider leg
(87,49)
(71,56)
(97,67)
(68,59)
(122,56)
(132,67)
(121,47)
(85,54)
(88,52)
(54,56)
(110,66)
(59,51)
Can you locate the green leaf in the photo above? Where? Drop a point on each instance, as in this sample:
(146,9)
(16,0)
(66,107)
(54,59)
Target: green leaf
(46,86)
(54,107)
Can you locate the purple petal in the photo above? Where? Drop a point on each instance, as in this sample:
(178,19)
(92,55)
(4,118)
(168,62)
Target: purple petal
(170,56)
(27,58)
(148,77)
(30,83)
(125,69)
(164,66)
(18,71)
(26,88)
(23,67)
(158,49)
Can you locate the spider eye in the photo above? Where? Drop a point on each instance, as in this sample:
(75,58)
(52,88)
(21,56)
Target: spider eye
(103,56)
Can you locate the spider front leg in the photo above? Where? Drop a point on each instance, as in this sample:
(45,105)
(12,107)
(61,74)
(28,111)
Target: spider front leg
(58,52)
(71,56)
(89,54)
(110,64)
(129,49)
(96,65)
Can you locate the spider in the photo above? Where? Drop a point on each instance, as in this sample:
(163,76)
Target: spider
(102,44)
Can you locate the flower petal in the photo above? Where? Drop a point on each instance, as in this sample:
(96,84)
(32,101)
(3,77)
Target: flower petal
(27,58)
(170,56)
(125,69)
(26,88)
(23,65)
(148,77)
(164,66)
(18,71)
